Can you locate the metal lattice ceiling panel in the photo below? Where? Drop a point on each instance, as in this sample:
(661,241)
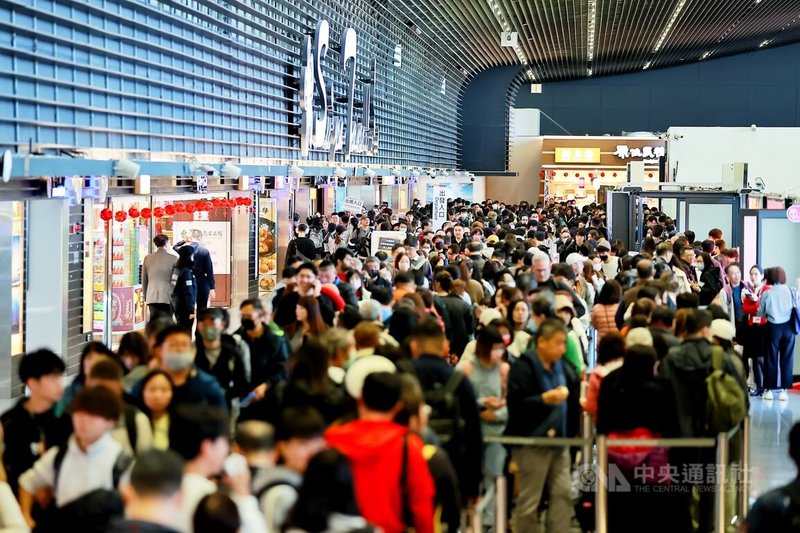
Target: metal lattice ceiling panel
(567,39)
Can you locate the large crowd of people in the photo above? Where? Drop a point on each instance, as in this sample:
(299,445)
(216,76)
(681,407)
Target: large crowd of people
(364,393)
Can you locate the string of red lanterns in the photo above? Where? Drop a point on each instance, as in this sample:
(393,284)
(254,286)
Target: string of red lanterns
(171,209)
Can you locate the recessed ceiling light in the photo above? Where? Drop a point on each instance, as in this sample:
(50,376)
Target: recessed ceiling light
(705,55)
(647,65)
(673,17)
(764,43)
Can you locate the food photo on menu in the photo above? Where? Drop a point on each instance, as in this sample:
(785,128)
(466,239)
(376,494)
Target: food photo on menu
(267,250)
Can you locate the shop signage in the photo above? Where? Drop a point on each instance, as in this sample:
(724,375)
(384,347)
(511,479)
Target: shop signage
(439,206)
(793,213)
(353,205)
(320,127)
(644,152)
(202,185)
(577,155)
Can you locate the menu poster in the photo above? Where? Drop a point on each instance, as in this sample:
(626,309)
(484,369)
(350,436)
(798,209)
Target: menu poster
(267,246)
(215,236)
(122,309)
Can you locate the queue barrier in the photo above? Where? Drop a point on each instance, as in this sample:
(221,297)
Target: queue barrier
(602,443)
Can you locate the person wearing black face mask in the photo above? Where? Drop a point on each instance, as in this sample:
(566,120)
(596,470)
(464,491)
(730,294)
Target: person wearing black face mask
(372,277)
(226,357)
(269,348)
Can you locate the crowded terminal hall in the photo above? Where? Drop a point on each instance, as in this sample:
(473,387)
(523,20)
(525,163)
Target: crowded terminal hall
(364,266)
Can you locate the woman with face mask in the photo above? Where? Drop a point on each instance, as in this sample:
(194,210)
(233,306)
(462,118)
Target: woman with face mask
(488,374)
(184,292)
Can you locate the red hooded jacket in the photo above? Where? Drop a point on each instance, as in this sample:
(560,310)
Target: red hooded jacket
(375,450)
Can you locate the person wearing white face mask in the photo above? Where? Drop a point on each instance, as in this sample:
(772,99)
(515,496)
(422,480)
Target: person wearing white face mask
(191,385)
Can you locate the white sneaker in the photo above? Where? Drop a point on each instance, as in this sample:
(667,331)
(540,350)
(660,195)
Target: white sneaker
(783,396)
(767,395)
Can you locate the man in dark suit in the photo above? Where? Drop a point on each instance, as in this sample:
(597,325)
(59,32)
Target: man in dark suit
(203,268)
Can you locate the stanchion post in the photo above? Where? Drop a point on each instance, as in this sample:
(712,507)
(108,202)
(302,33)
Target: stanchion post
(722,474)
(744,486)
(500,517)
(601,489)
(586,435)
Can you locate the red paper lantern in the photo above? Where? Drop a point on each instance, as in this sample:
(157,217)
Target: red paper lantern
(577,174)
(216,202)
(615,174)
(146,213)
(133,212)
(106,214)
(602,174)
(120,216)
(591,175)
(541,173)
(209,205)
(566,174)
(239,200)
(169,210)
(190,208)
(199,205)
(180,208)
(650,175)
(248,202)
(553,173)
(158,212)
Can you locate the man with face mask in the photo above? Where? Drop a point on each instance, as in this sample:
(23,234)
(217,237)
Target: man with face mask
(269,348)
(610,262)
(372,274)
(190,384)
(226,357)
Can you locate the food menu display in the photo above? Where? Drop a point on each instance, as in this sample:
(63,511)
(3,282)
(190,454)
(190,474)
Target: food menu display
(98,272)
(267,247)
(122,254)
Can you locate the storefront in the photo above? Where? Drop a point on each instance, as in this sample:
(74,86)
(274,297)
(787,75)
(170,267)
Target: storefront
(122,233)
(583,168)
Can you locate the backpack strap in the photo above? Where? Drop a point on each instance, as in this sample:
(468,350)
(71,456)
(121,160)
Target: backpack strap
(58,462)
(453,382)
(271,485)
(717,358)
(121,465)
(130,426)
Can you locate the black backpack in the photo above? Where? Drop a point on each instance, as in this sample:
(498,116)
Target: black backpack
(445,417)
(92,512)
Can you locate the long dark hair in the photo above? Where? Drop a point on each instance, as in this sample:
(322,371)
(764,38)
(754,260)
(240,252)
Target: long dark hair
(327,489)
(98,348)
(316,325)
(309,366)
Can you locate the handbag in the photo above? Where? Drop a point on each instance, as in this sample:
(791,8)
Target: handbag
(794,316)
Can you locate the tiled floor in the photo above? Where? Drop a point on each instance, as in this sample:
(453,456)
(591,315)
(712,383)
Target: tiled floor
(770,422)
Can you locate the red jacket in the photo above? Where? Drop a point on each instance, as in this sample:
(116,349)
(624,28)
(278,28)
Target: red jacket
(750,306)
(375,450)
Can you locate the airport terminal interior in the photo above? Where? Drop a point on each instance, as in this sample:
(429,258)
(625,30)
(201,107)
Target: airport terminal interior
(399,265)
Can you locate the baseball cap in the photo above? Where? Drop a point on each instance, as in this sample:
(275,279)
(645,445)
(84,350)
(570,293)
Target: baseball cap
(361,368)
(639,337)
(723,329)
(489,314)
(603,245)
(575,257)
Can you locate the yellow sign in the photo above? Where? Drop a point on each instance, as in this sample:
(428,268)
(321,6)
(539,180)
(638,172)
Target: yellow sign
(577,155)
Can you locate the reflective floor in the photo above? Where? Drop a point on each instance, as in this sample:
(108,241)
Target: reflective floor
(770,422)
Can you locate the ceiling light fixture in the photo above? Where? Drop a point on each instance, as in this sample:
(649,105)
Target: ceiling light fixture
(671,22)
(647,65)
(592,20)
(706,55)
(504,24)
(765,43)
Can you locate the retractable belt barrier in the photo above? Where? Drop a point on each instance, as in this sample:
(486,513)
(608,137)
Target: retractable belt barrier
(602,443)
